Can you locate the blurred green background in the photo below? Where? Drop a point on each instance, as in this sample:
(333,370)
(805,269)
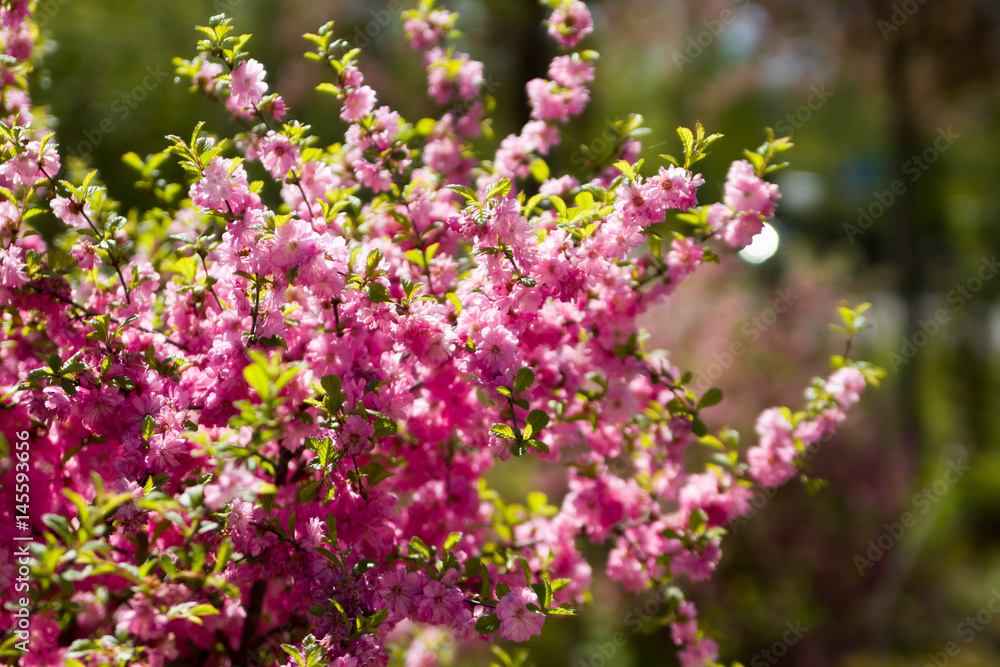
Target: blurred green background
(892,198)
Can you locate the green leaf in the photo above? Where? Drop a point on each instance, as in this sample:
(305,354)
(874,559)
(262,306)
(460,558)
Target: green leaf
(307,490)
(559,204)
(167,563)
(537,501)
(468,193)
(453,298)
(148,427)
(325,450)
(487,624)
(561,611)
(626,168)
(523,380)
(687,138)
(417,546)
(540,170)
(712,397)
(544,593)
(452,540)
(539,445)
(416,256)
(362,566)
(204,610)
(697,521)
(383,425)
(372,262)
(756,159)
(256,376)
(375,472)
(498,189)
(503,431)
(584,200)
(377,292)
(677,406)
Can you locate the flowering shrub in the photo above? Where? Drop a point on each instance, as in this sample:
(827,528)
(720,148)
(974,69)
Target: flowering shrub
(249,432)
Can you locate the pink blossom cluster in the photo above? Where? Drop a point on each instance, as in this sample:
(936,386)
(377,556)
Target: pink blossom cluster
(268,423)
(748,201)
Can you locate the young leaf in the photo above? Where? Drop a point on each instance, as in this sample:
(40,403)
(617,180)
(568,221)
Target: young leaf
(523,380)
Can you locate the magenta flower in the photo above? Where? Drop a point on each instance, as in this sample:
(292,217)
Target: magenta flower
(399,588)
(356,435)
(437,603)
(517,622)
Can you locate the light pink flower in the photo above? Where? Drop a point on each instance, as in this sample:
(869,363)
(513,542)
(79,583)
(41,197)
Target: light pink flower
(517,622)
(246,83)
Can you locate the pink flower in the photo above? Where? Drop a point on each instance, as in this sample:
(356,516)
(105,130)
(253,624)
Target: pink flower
(216,184)
(28,166)
(140,618)
(570,23)
(846,385)
(437,603)
(13,269)
(570,71)
(399,588)
(356,435)
(128,510)
(703,492)
(246,84)
(233,481)
(702,652)
(295,243)
(278,154)
(552,102)
(718,215)
(70,211)
(358,103)
(85,253)
(314,533)
(771,461)
(558,186)
(748,193)
(678,186)
(517,622)
(496,349)
(685,255)
(99,406)
(207,76)
(740,231)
